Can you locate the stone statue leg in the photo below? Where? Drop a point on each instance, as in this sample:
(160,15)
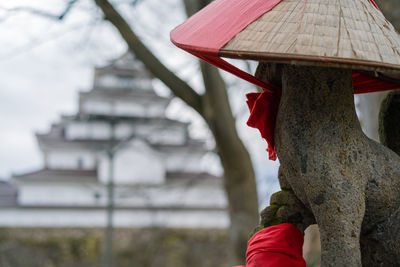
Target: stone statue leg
(380,238)
(320,146)
(381,247)
(349,182)
(338,207)
(390,238)
(318,135)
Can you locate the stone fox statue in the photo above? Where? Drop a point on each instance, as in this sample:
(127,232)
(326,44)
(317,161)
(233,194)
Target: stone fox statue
(331,171)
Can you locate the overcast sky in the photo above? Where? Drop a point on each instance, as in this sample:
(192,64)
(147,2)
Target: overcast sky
(44,63)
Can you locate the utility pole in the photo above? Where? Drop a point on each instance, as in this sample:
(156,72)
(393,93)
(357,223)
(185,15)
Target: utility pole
(111,152)
(108,261)
(110,211)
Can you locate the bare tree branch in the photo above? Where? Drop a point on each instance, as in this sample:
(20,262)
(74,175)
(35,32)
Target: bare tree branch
(67,9)
(180,88)
(39,42)
(213,82)
(42,13)
(136,2)
(192,6)
(214,107)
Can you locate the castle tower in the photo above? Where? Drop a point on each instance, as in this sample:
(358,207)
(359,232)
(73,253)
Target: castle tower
(158,178)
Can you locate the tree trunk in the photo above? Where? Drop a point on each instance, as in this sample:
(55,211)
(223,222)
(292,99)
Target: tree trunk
(214,107)
(238,170)
(349,182)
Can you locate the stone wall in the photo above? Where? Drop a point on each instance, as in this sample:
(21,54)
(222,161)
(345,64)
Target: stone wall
(34,247)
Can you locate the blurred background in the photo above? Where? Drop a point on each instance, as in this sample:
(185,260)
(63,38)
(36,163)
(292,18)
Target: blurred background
(102,165)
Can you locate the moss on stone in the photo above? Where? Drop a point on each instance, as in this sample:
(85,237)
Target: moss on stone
(280,198)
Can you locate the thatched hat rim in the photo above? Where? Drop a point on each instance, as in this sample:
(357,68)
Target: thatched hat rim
(308,60)
(346,33)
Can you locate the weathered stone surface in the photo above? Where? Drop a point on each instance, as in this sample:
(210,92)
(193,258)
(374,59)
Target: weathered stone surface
(349,182)
(283,182)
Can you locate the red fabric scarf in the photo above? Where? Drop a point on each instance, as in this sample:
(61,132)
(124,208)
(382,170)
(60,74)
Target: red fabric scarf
(207,31)
(276,246)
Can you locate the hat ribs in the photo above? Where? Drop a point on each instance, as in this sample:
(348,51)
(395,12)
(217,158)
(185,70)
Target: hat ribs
(345,33)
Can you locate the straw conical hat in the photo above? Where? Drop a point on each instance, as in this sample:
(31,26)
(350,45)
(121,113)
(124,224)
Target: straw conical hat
(344,33)
(334,33)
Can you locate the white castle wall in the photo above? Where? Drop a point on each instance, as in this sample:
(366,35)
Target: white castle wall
(122,218)
(202,194)
(112,81)
(122,107)
(160,134)
(181,203)
(58,193)
(86,130)
(70,159)
(184,160)
(135,163)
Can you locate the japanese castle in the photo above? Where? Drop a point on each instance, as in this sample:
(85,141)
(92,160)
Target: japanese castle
(119,137)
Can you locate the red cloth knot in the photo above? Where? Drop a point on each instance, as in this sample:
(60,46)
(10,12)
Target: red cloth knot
(263,112)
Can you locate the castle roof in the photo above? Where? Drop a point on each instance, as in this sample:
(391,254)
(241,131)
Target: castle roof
(8,194)
(65,175)
(97,145)
(127,64)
